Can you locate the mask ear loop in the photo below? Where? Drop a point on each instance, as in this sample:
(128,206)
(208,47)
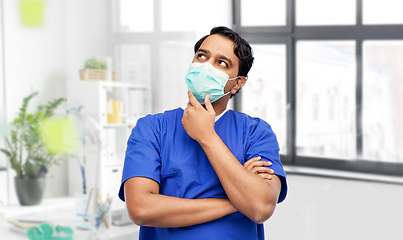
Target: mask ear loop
(229,92)
(246,78)
(233,78)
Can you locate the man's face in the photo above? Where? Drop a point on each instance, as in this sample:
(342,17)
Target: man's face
(219,52)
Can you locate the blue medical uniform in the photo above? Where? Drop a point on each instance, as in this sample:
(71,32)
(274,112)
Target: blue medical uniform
(160,149)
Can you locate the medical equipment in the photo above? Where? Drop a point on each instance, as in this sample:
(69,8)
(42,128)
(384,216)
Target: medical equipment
(45,232)
(87,126)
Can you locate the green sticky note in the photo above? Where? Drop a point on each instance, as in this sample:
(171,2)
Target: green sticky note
(60,135)
(32,12)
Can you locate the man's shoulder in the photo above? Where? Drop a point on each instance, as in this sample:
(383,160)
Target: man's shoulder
(246,119)
(161,117)
(166,113)
(175,111)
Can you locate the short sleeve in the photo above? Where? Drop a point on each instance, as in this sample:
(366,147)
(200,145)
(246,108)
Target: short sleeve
(142,157)
(262,142)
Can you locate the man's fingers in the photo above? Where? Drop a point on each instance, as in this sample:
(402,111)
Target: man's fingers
(265,176)
(255,162)
(258,170)
(261,163)
(246,164)
(192,100)
(208,104)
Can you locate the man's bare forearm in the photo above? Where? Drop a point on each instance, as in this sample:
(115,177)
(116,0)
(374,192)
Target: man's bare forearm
(248,192)
(148,208)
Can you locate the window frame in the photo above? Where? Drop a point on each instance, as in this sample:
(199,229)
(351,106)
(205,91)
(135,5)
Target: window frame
(290,35)
(272,29)
(153,39)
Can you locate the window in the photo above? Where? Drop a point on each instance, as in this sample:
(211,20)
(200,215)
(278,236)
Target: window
(382,12)
(263,13)
(333,96)
(136,16)
(329,12)
(153,43)
(265,94)
(194,16)
(382,91)
(325,75)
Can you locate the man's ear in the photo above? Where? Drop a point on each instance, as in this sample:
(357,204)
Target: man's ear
(239,82)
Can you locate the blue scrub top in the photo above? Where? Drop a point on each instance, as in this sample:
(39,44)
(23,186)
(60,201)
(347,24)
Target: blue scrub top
(160,149)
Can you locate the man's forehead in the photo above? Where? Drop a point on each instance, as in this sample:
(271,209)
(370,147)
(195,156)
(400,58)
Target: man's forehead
(217,44)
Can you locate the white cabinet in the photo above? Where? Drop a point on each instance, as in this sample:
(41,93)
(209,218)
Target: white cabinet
(105,142)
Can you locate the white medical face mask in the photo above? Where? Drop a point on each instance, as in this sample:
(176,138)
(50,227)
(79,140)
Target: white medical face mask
(203,79)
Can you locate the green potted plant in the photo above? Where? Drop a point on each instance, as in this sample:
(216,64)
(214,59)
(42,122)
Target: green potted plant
(96,70)
(27,152)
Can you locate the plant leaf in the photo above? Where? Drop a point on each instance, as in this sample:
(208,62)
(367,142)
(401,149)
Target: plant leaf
(8,153)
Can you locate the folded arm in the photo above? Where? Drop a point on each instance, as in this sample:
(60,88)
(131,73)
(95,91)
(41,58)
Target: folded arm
(147,207)
(249,193)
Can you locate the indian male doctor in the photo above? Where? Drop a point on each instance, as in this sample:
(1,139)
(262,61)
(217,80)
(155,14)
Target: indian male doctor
(205,172)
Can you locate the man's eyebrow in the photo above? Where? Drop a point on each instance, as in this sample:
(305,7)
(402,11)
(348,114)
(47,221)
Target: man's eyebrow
(220,56)
(226,59)
(204,51)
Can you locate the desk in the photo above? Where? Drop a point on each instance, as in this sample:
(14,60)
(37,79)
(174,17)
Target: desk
(63,209)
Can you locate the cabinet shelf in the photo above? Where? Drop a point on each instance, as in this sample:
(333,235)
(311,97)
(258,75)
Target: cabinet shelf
(123,85)
(112,125)
(93,97)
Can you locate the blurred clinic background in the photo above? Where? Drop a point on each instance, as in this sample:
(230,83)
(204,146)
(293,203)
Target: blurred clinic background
(328,77)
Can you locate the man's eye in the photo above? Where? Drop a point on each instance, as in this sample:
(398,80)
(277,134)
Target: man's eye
(222,63)
(202,56)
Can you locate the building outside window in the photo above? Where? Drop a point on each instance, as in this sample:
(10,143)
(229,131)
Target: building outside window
(339,76)
(325,78)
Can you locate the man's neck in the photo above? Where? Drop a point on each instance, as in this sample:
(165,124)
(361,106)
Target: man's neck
(221,104)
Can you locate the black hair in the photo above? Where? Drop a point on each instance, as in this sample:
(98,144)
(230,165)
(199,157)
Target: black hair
(242,49)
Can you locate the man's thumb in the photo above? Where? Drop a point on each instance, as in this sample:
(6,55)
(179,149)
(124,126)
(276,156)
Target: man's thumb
(207,101)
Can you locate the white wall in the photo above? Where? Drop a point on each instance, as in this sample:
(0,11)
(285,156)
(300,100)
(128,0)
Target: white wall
(43,59)
(3,160)
(88,33)
(318,208)
(34,61)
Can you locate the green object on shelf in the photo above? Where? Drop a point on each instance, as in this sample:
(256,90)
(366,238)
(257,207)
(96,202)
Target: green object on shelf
(94,63)
(45,232)
(32,12)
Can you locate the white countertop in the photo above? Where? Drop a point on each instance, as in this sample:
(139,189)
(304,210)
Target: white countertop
(61,212)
